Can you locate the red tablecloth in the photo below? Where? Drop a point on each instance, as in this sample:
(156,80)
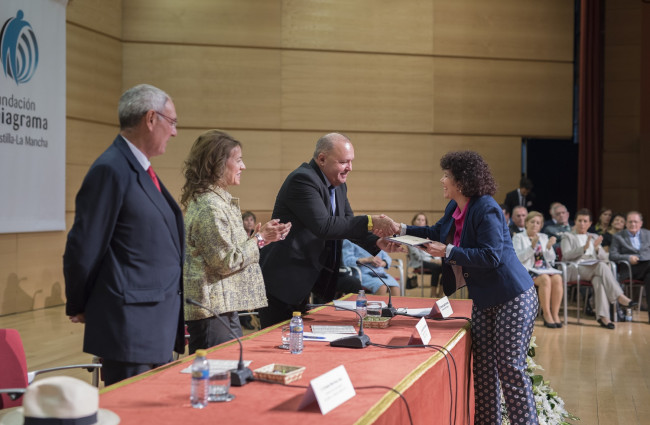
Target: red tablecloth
(420,374)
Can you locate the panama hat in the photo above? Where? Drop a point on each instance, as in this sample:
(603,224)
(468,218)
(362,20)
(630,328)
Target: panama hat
(56,398)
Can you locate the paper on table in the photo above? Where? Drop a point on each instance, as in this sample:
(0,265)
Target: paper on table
(325,329)
(409,240)
(351,305)
(319,337)
(219,365)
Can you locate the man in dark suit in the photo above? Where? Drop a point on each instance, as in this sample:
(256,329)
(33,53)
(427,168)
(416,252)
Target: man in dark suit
(314,199)
(633,244)
(519,214)
(522,196)
(124,255)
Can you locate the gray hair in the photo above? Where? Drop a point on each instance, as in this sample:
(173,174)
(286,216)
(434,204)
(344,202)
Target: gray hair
(326,143)
(633,212)
(136,101)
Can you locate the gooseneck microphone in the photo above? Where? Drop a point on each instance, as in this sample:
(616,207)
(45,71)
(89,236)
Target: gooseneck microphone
(356,341)
(389,310)
(240,376)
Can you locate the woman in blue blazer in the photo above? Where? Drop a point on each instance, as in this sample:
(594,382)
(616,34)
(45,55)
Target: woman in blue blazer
(474,242)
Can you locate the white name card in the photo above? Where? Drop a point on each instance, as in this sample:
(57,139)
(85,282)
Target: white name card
(441,308)
(330,390)
(423,331)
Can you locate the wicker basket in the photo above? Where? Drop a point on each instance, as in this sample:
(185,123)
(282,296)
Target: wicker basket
(376,322)
(282,374)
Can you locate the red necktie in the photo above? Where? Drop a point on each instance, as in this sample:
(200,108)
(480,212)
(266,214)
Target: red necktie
(153,177)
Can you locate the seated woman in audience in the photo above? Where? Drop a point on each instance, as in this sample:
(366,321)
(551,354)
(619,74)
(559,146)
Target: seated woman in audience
(601,227)
(536,253)
(250,221)
(353,255)
(617,224)
(580,246)
(419,258)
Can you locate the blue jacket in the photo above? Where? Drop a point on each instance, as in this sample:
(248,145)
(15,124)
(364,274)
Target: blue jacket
(492,271)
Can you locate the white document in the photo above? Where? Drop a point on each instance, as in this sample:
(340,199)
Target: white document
(587,262)
(409,240)
(545,271)
(322,337)
(351,305)
(325,329)
(330,390)
(423,331)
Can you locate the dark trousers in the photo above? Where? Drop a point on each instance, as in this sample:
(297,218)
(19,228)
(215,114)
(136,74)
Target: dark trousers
(641,271)
(115,371)
(278,311)
(435,270)
(500,340)
(206,333)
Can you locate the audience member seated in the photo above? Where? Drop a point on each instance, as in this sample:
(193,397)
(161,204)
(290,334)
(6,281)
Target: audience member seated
(419,258)
(518,225)
(550,213)
(561,217)
(633,245)
(580,246)
(536,253)
(249,220)
(522,196)
(601,227)
(353,254)
(617,224)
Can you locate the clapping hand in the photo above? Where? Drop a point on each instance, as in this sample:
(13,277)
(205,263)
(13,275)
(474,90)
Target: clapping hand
(273,230)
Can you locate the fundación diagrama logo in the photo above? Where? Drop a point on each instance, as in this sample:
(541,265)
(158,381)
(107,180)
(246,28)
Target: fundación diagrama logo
(18,49)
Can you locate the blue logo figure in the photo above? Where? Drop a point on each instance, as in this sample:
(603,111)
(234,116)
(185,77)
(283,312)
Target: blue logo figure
(18,49)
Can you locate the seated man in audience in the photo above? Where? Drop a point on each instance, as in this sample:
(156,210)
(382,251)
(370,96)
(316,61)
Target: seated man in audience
(518,225)
(551,220)
(355,256)
(633,245)
(583,247)
(561,216)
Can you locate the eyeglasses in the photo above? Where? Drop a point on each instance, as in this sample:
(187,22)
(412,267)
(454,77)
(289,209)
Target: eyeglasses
(173,122)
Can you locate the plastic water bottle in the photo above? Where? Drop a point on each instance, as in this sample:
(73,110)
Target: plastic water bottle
(628,314)
(295,340)
(200,379)
(362,303)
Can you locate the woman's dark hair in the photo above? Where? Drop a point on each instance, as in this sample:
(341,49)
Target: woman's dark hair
(426,220)
(470,172)
(206,163)
(585,212)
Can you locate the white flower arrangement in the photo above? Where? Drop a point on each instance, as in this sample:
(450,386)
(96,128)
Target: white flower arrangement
(550,406)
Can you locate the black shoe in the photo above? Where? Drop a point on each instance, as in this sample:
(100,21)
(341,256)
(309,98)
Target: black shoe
(549,325)
(558,325)
(610,325)
(631,304)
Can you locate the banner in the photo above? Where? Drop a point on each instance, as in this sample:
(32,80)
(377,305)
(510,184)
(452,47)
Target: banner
(32,115)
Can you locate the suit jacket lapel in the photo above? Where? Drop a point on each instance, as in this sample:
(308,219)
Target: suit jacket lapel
(159,199)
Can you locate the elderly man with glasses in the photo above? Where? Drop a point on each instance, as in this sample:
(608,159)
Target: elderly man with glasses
(633,244)
(124,255)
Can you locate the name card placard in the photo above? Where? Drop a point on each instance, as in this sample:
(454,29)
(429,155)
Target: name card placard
(441,308)
(421,334)
(330,390)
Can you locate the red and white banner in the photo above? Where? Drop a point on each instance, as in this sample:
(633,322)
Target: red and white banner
(32,115)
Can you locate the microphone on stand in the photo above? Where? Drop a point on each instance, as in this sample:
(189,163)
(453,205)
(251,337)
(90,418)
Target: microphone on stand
(356,341)
(240,376)
(389,310)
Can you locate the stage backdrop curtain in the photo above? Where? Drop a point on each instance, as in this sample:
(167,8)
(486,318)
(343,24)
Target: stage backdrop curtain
(32,115)
(590,106)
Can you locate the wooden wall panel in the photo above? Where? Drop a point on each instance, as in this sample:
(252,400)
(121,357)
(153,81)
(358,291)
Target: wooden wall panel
(85,141)
(621,133)
(220,23)
(504,29)
(9,279)
(362,92)
(211,86)
(358,26)
(102,16)
(622,98)
(94,69)
(502,97)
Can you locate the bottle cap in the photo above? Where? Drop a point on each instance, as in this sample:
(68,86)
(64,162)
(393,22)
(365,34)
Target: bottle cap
(201,353)
(296,313)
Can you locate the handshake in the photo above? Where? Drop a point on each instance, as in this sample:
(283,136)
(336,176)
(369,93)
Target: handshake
(383,226)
